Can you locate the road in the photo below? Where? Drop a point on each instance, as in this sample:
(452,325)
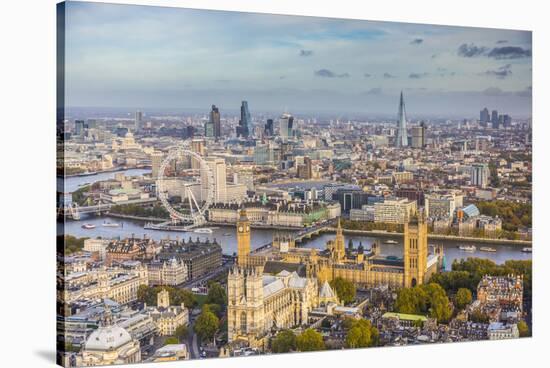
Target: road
(192,341)
(203,279)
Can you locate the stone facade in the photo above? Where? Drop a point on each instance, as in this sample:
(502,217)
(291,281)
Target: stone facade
(258,302)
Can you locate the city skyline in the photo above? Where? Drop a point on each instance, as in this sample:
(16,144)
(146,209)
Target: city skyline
(169,57)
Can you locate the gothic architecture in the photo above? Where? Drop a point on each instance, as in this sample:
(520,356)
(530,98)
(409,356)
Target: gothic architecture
(365,267)
(279,286)
(259,302)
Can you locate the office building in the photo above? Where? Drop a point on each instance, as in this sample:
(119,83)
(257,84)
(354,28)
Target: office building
(170,272)
(494,119)
(440,206)
(138,121)
(402,139)
(484,117)
(268,130)
(156,162)
(305,170)
(243,130)
(79,126)
(216,121)
(480,175)
(200,257)
(419,136)
(286,126)
(208,129)
(394,210)
(219,172)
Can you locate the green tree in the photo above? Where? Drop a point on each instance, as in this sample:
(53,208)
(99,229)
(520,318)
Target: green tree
(215,308)
(345,290)
(310,340)
(207,324)
(463,298)
(478,317)
(361,334)
(523,329)
(284,342)
(411,300)
(429,299)
(182,332)
(216,294)
(172,340)
(451,281)
(439,306)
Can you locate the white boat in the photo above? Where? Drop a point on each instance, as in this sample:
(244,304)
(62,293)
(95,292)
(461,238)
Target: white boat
(204,230)
(110,224)
(88,226)
(468,248)
(487,249)
(391,241)
(527,250)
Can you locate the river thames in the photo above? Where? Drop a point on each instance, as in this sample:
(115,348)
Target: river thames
(226,236)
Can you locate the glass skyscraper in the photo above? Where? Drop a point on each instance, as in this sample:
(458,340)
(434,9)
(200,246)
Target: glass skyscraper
(402,140)
(244,123)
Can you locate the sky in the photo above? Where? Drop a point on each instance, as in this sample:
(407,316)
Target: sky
(158,57)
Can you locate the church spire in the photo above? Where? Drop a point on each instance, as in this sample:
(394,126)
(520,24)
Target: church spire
(339,244)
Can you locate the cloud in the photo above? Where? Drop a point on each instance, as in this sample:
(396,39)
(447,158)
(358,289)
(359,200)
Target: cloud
(471,50)
(325,73)
(374,91)
(417,41)
(367,75)
(501,72)
(306,53)
(389,76)
(492,91)
(498,53)
(417,75)
(509,52)
(502,41)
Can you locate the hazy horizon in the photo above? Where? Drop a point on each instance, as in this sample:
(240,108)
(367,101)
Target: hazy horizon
(122,56)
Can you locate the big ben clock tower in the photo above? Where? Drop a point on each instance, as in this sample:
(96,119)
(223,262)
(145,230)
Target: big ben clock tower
(243,238)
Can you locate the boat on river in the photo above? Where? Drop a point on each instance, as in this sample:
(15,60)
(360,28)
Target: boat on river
(468,248)
(203,230)
(390,241)
(110,224)
(527,250)
(487,249)
(88,226)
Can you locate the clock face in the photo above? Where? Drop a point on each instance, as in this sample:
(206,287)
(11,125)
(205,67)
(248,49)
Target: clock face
(241,229)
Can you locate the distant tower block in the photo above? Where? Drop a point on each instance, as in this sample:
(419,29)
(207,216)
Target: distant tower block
(243,238)
(415,250)
(402,140)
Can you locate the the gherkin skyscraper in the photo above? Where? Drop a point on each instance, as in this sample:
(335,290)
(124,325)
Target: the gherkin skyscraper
(401,140)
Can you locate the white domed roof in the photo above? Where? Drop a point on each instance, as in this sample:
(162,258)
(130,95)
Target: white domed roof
(107,338)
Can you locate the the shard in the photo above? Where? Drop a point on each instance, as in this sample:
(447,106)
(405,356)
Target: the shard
(401,140)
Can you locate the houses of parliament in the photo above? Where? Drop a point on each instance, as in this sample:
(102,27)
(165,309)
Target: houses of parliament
(278,286)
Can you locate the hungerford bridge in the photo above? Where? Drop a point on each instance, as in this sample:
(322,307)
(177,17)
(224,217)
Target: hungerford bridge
(71,210)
